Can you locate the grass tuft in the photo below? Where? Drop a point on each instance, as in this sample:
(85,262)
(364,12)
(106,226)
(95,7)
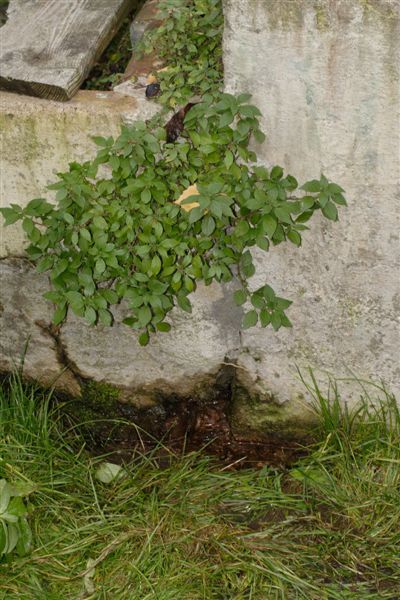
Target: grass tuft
(328,528)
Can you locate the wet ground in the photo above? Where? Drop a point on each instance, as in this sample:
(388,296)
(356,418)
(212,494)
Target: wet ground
(182,425)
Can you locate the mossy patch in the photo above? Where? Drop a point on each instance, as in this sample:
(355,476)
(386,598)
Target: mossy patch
(262,416)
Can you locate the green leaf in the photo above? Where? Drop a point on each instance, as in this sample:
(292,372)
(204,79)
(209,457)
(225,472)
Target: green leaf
(24,542)
(263,243)
(163,326)
(100,266)
(75,299)
(276,173)
(90,315)
(269,224)
(312,186)
(145,196)
(195,214)
(250,319)
(144,338)
(208,225)
(155,265)
(276,320)
(228,161)
(339,199)
(240,297)
(144,316)
(285,322)
(241,229)
(242,98)
(60,314)
(330,211)
(110,295)
(265,318)
(100,223)
(184,303)
(294,237)
(10,215)
(333,188)
(27,226)
(100,141)
(16,507)
(105,317)
(268,293)
(257,300)
(44,264)
(259,136)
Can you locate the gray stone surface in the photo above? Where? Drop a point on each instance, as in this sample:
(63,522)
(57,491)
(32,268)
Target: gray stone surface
(26,341)
(182,362)
(326,78)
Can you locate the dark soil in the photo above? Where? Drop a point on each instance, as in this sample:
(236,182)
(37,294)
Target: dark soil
(111,66)
(179,425)
(3,11)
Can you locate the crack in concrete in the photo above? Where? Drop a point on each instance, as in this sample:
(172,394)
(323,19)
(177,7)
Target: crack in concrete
(64,360)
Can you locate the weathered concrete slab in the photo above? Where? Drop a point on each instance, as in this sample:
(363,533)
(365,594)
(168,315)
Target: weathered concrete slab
(326,78)
(49,46)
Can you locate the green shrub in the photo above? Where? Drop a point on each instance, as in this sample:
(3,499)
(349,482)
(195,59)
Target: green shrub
(122,236)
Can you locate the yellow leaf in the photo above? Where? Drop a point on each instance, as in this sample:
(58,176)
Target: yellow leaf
(151,79)
(190,191)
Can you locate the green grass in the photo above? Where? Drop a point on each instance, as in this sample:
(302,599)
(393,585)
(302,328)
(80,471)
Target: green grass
(326,529)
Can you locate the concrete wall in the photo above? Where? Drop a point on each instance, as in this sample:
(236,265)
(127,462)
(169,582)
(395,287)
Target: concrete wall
(325,74)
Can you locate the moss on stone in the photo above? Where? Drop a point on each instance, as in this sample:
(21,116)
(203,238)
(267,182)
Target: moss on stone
(103,397)
(263,416)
